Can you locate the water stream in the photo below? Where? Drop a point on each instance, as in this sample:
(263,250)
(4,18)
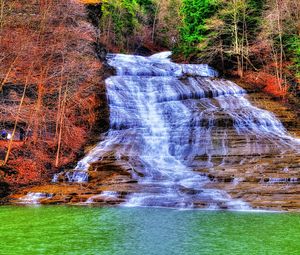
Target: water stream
(167,120)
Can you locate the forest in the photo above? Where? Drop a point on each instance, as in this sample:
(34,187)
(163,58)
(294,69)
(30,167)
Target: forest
(256,40)
(50,85)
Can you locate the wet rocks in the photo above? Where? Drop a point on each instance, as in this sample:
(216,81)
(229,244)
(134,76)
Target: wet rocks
(103,176)
(266,181)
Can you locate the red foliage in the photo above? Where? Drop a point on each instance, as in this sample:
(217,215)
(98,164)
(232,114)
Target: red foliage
(27,172)
(268,82)
(48,46)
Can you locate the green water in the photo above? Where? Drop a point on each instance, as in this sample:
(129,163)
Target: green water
(83,230)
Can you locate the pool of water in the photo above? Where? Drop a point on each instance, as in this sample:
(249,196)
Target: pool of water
(84,230)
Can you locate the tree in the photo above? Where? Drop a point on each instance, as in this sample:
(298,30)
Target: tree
(2,5)
(280,32)
(193,30)
(219,31)
(57,100)
(167,20)
(119,22)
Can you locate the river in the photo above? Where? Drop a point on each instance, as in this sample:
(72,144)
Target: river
(87,230)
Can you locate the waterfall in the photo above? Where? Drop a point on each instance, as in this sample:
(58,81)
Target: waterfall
(169,121)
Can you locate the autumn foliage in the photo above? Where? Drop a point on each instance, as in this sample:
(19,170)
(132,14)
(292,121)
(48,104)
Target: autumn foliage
(46,55)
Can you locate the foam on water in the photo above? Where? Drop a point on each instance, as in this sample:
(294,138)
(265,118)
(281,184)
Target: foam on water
(104,195)
(34,198)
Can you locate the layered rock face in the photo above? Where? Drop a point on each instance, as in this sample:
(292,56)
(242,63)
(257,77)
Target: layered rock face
(268,180)
(180,137)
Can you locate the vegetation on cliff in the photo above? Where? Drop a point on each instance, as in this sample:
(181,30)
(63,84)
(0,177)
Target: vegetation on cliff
(254,40)
(49,76)
(258,40)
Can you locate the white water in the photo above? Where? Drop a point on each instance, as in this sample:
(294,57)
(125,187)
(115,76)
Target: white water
(105,195)
(34,198)
(165,127)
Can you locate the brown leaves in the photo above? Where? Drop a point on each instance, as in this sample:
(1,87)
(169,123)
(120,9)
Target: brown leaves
(53,41)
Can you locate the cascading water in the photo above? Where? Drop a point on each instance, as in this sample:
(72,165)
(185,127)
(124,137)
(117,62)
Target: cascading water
(168,119)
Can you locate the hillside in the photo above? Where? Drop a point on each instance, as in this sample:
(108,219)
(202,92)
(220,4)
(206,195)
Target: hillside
(50,87)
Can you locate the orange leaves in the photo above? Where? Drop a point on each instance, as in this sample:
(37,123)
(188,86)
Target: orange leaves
(268,82)
(53,42)
(274,85)
(27,172)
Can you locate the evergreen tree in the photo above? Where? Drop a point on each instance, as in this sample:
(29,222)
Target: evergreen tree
(193,31)
(220,30)
(119,21)
(167,20)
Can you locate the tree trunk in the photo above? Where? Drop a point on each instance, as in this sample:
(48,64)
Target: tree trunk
(2,3)
(61,129)
(16,123)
